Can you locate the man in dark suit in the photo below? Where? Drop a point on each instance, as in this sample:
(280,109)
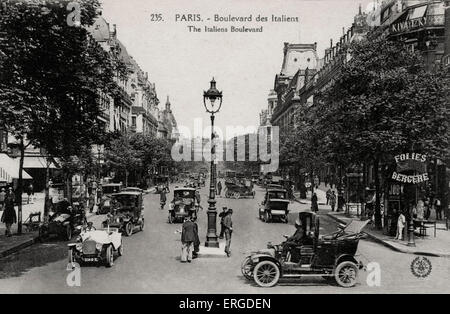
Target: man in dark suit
(228,225)
(188,237)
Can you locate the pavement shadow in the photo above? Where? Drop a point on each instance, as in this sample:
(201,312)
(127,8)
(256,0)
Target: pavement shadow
(36,255)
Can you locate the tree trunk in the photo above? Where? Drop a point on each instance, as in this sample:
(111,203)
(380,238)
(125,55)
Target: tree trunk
(69,188)
(126,178)
(20,188)
(47,190)
(376,166)
(311,178)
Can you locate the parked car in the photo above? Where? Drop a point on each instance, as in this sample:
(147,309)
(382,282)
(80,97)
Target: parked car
(184,204)
(127,212)
(96,245)
(63,222)
(238,188)
(107,190)
(331,256)
(275,206)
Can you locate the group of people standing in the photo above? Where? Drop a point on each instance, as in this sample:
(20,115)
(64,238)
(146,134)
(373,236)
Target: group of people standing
(7,201)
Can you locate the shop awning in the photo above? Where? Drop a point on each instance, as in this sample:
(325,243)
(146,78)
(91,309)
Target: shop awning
(417,13)
(9,169)
(37,162)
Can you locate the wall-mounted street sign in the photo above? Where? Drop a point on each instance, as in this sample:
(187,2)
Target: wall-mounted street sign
(410,162)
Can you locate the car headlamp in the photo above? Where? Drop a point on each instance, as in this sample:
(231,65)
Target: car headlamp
(79,246)
(98,246)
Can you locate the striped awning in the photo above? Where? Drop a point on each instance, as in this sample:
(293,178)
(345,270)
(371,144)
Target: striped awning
(9,169)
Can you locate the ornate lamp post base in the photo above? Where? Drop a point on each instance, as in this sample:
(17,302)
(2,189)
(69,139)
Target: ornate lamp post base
(211,237)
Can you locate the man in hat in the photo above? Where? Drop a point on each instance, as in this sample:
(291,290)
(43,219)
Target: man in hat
(228,225)
(188,238)
(295,239)
(222,217)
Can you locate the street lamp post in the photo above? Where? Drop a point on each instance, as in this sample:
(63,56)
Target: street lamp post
(209,100)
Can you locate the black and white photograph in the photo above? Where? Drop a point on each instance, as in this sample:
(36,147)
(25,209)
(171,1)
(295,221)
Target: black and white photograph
(232,147)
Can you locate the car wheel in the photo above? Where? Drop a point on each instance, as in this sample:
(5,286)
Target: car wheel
(266,274)
(129,229)
(246,268)
(237,195)
(346,274)
(120,249)
(68,233)
(109,256)
(266,217)
(141,227)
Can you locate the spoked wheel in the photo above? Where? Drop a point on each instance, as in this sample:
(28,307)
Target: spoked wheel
(109,256)
(346,274)
(236,195)
(266,274)
(129,229)
(266,217)
(246,268)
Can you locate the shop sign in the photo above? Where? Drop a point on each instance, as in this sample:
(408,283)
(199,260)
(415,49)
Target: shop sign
(408,25)
(410,162)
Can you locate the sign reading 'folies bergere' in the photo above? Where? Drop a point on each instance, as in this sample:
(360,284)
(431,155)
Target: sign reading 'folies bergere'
(410,162)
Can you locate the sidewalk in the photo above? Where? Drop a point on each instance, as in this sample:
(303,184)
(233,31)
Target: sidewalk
(429,245)
(321,195)
(17,242)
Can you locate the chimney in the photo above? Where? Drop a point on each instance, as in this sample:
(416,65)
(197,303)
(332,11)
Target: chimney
(331,43)
(168,104)
(114,29)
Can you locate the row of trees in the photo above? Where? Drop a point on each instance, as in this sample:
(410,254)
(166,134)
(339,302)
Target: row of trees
(383,102)
(52,78)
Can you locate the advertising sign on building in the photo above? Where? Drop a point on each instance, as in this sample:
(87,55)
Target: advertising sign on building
(410,162)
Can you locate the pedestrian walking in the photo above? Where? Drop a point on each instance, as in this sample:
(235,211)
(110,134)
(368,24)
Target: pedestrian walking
(91,201)
(400,225)
(9,214)
(328,194)
(197,239)
(333,201)
(228,225)
(427,209)
(2,198)
(219,188)
(163,197)
(187,240)
(438,208)
(222,217)
(314,203)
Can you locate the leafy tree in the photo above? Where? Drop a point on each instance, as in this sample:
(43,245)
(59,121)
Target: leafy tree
(383,102)
(52,77)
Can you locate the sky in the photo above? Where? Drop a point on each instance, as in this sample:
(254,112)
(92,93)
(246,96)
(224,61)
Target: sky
(182,63)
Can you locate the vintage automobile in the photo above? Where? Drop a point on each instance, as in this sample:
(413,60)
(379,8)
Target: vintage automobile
(184,204)
(127,212)
(238,188)
(275,206)
(331,256)
(105,201)
(63,222)
(96,245)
